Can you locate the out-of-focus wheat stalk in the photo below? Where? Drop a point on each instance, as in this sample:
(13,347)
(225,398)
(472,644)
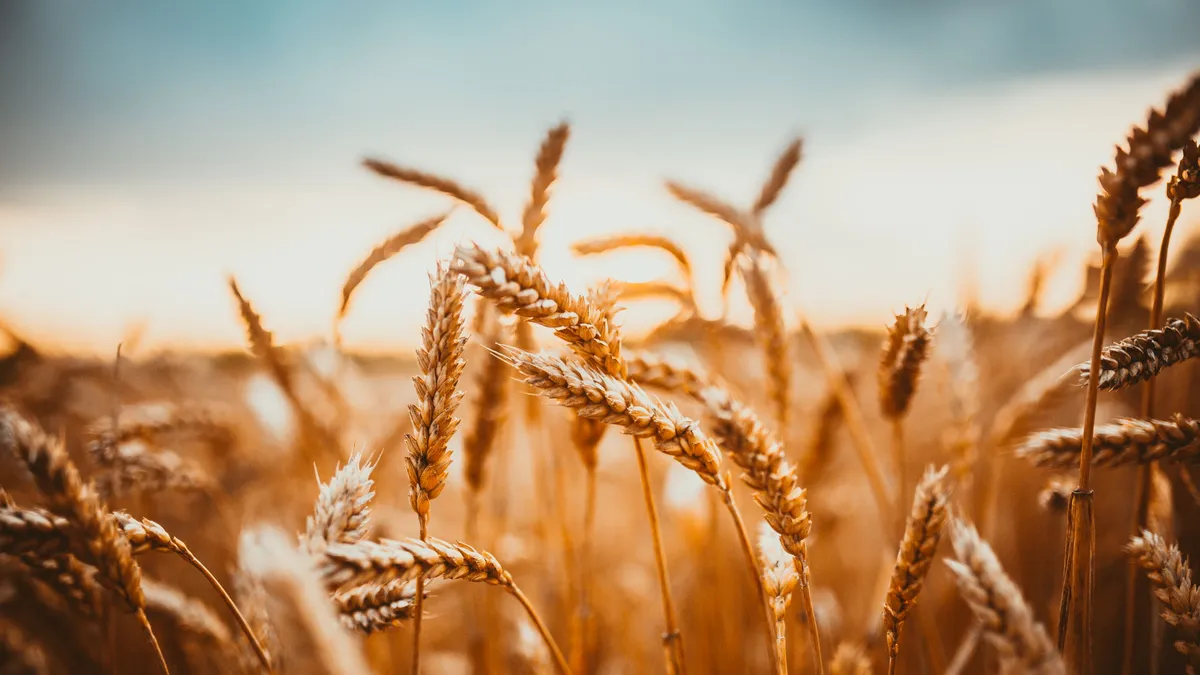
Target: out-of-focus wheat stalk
(386,249)
(1008,622)
(315,439)
(59,482)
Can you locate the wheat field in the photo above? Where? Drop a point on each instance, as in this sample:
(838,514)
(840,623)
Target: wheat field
(971,492)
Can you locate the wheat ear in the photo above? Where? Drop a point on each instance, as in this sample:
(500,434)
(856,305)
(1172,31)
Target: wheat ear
(772,337)
(59,482)
(145,535)
(373,607)
(207,639)
(779,579)
(1126,441)
(1008,622)
(1171,575)
(316,439)
(311,636)
(440,359)
(430,181)
(904,351)
(518,286)
(389,247)
(615,242)
(922,533)
(546,172)
(343,506)
(387,560)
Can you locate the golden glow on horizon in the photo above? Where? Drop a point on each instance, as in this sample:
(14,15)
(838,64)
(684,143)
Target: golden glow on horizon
(987,180)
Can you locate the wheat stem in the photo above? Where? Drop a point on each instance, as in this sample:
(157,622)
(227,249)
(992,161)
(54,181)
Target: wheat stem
(1077,578)
(672,639)
(559,659)
(1135,581)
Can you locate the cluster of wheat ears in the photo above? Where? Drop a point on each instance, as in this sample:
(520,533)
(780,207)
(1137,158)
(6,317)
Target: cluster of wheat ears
(303,603)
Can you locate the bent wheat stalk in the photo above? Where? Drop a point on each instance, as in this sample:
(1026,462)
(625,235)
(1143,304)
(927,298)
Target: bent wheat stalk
(58,480)
(387,561)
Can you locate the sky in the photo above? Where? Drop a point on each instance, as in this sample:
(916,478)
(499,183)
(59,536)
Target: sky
(147,151)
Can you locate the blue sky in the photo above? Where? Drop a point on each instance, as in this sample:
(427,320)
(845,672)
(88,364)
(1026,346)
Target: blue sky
(224,136)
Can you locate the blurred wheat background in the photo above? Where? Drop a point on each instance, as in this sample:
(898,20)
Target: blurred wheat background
(227,192)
